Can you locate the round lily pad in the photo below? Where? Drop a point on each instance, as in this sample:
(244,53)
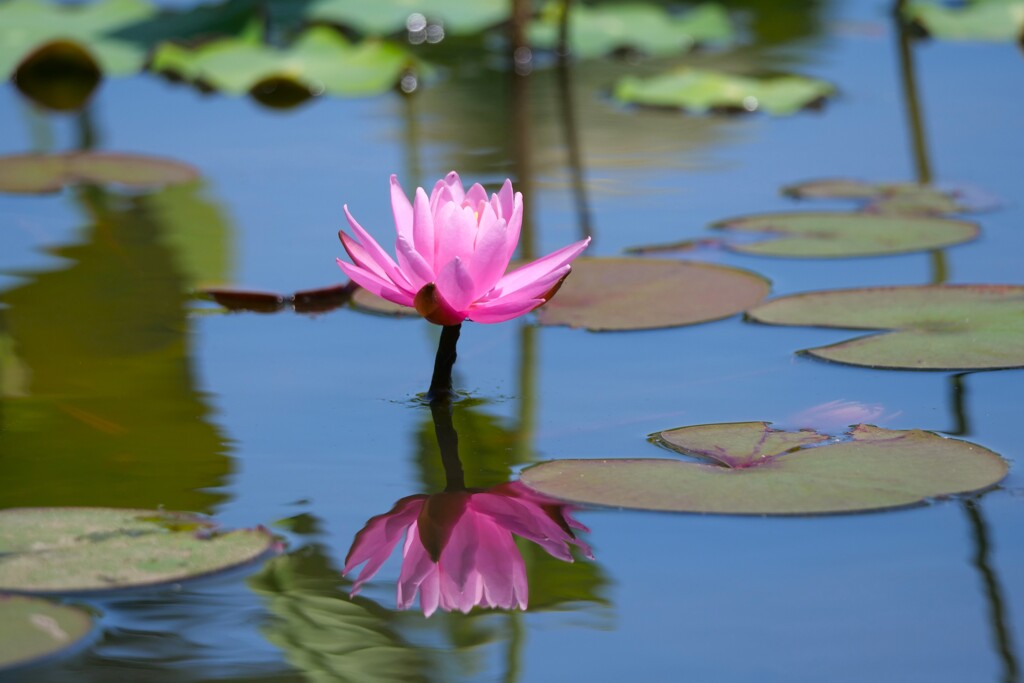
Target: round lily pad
(52,550)
(38,173)
(638,294)
(887,198)
(931,327)
(751,469)
(843,235)
(33,629)
(700,90)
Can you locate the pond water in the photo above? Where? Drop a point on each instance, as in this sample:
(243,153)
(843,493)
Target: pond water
(120,389)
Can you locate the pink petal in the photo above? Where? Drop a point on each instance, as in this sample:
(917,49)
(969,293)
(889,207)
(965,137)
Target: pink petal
(379,256)
(454,185)
(501,310)
(489,263)
(375,542)
(455,234)
(375,285)
(423,228)
(401,209)
(531,272)
(359,256)
(417,568)
(496,557)
(413,264)
(515,224)
(476,196)
(522,519)
(455,285)
(506,200)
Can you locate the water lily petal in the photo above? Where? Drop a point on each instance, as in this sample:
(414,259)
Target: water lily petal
(413,265)
(489,262)
(500,311)
(455,285)
(377,253)
(529,521)
(375,542)
(454,185)
(401,209)
(374,284)
(524,276)
(476,196)
(423,228)
(359,256)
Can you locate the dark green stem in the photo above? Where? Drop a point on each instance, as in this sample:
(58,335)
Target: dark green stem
(448,443)
(441,382)
(958,396)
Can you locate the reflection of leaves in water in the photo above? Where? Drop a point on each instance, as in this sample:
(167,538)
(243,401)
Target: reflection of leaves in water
(112,416)
(325,634)
(558,585)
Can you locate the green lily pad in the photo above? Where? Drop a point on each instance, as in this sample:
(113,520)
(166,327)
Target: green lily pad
(887,198)
(34,629)
(604,29)
(639,294)
(39,173)
(931,327)
(26,26)
(52,550)
(990,20)
(752,469)
(385,17)
(843,235)
(700,91)
(320,61)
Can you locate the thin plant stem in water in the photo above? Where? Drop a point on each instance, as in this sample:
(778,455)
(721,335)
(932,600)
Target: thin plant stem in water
(448,444)
(441,381)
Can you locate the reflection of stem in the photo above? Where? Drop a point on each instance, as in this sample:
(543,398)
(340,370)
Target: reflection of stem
(87,138)
(563,30)
(448,443)
(413,163)
(515,647)
(527,389)
(996,608)
(520,18)
(958,396)
(441,382)
(572,139)
(523,162)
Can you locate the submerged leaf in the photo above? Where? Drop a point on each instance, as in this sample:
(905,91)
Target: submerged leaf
(38,173)
(931,327)
(637,293)
(51,550)
(604,29)
(700,91)
(756,470)
(842,235)
(34,629)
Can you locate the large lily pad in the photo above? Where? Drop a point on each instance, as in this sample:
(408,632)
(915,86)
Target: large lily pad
(990,20)
(842,235)
(700,91)
(38,173)
(320,61)
(33,629)
(385,17)
(637,294)
(752,469)
(50,550)
(931,327)
(890,198)
(604,29)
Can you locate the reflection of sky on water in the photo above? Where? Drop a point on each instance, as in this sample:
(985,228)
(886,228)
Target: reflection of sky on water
(321,416)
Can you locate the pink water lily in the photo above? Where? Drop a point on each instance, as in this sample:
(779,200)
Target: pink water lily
(453,249)
(459,549)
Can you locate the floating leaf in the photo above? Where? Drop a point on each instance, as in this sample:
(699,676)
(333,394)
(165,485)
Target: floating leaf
(636,294)
(33,629)
(49,550)
(38,173)
(932,327)
(604,29)
(699,90)
(318,300)
(841,235)
(320,61)
(756,470)
(385,17)
(994,20)
(888,198)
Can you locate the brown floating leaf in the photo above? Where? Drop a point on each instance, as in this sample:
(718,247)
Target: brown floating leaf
(40,173)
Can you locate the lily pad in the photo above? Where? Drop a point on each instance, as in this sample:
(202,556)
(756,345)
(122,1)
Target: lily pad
(700,91)
(887,198)
(843,235)
(27,26)
(52,550)
(385,17)
(34,629)
(988,20)
(604,29)
(931,327)
(39,173)
(752,469)
(638,294)
(320,61)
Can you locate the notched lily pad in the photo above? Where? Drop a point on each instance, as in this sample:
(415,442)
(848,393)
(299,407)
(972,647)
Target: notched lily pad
(701,91)
(751,469)
(33,629)
(988,20)
(39,173)
(320,61)
(649,29)
(637,294)
(54,550)
(889,198)
(930,327)
(843,235)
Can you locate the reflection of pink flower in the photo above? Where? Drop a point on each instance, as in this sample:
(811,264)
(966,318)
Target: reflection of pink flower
(459,551)
(838,415)
(453,249)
